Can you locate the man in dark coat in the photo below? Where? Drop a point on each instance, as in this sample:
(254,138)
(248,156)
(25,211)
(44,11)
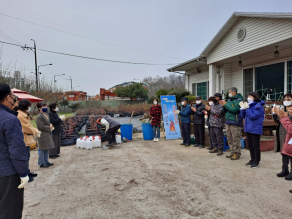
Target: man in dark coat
(185,117)
(13,162)
(111,126)
(199,122)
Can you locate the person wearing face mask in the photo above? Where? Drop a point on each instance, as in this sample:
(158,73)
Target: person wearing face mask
(234,123)
(13,162)
(199,122)
(45,141)
(156,112)
(217,121)
(254,115)
(185,121)
(280,137)
(286,120)
(56,121)
(28,130)
(280,130)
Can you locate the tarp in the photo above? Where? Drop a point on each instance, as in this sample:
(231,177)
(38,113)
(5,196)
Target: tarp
(170,119)
(24,95)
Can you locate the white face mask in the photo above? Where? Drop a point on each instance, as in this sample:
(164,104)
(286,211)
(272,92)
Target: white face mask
(249,100)
(28,110)
(211,103)
(230,95)
(198,102)
(57,109)
(287,103)
(155,102)
(182,103)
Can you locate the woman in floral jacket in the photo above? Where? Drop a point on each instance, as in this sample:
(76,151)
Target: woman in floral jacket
(156,112)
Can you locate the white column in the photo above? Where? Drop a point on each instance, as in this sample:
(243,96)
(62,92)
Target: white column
(187,83)
(212,79)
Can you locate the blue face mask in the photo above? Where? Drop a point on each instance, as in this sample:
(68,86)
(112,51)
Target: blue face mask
(45,110)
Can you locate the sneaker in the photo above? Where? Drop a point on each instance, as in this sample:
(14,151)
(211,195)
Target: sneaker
(32,174)
(209,148)
(50,164)
(229,155)
(249,163)
(283,173)
(289,177)
(201,146)
(235,157)
(44,166)
(196,145)
(154,139)
(255,165)
(214,150)
(219,152)
(187,145)
(182,144)
(157,139)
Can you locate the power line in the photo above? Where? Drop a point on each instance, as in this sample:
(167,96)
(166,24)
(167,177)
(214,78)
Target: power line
(85,57)
(111,44)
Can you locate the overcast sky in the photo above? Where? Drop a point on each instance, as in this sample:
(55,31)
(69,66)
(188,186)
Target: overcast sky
(180,29)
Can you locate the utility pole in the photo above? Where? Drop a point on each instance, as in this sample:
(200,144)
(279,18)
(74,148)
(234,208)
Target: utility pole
(71,82)
(36,67)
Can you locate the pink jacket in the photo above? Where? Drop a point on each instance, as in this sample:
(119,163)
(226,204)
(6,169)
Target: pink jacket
(287,148)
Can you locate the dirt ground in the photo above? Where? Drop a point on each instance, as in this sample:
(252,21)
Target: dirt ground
(143,179)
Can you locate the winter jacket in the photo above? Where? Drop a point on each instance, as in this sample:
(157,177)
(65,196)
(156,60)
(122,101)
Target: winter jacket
(217,116)
(185,114)
(254,117)
(280,134)
(112,122)
(156,112)
(45,142)
(232,110)
(198,116)
(56,122)
(287,123)
(12,147)
(28,130)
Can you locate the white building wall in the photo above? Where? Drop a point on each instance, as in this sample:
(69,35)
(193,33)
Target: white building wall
(260,32)
(195,77)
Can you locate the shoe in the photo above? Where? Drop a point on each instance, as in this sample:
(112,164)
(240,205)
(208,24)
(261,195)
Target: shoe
(44,166)
(235,157)
(182,144)
(255,165)
(214,150)
(30,179)
(111,144)
(209,148)
(249,163)
(187,145)
(283,173)
(219,152)
(157,139)
(289,177)
(201,146)
(52,157)
(32,174)
(290,191)
(229,155)
(154,139)
(104,147)
(57,155)
(50,164)
(196,145)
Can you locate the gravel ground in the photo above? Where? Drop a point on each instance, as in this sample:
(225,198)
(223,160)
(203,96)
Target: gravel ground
(143,179)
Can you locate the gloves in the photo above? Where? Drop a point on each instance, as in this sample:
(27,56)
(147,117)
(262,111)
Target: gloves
(63,117)
(177,112)
(243,106)
(39,134)
(24,181)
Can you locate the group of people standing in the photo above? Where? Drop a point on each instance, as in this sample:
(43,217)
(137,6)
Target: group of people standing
(17,138)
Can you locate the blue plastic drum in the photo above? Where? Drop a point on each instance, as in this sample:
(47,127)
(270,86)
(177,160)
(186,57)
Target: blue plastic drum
(147,131)
(127,131)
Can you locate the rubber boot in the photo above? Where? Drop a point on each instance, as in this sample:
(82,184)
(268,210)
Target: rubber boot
(289,177)
(285,172)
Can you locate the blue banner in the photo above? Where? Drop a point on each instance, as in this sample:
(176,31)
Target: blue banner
(170,119)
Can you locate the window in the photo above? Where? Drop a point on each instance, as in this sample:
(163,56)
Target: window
(202,90)
(247,82)
(289,77)
(269,81)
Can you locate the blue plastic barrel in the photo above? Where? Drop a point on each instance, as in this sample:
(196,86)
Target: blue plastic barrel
(147,131)
(127,131)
